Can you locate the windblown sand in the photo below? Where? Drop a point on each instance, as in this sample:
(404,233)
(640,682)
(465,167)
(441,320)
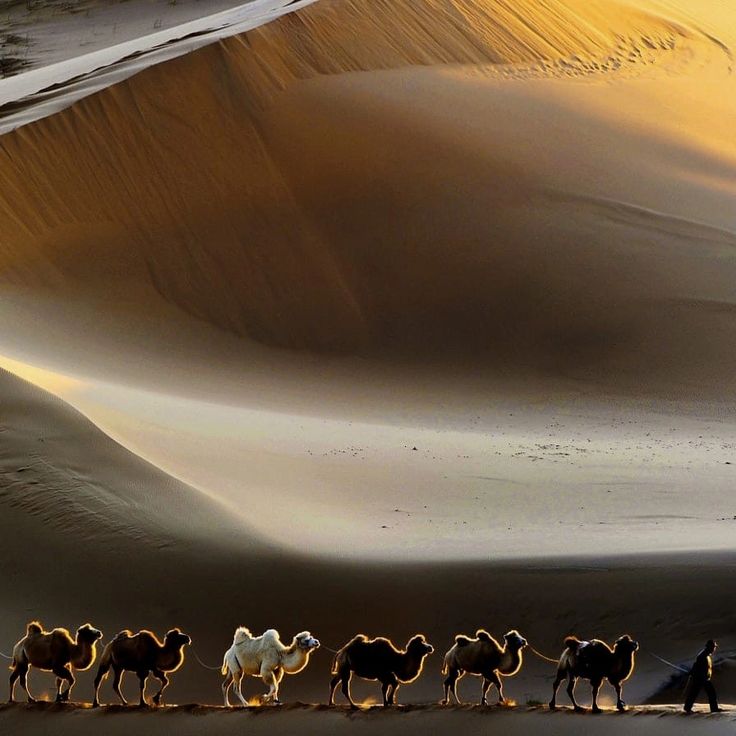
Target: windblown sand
(382,317)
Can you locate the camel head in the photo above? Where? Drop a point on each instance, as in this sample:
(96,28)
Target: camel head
(304,640)
(88,633)
(514,640)
(176,638)
(625,644)
(419,645)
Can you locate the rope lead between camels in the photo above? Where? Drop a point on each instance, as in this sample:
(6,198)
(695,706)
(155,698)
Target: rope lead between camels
(542,656)
(4,656)
(206,666)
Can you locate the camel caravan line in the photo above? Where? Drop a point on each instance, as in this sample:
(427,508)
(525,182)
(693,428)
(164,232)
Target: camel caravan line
(267,657)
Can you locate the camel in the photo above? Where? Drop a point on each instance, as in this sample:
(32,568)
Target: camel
(266,657)
(143,654)
(378,659)
(485,657)
(54,651)
(595,661)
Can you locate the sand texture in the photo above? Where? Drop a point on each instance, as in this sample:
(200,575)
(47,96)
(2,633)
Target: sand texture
(374,316)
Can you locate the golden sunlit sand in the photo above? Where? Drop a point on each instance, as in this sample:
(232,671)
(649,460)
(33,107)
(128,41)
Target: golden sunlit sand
(392,317)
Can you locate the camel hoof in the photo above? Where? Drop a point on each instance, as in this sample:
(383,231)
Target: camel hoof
(579,709)
(31,700)
(621,706)
(596,710)
(552,705)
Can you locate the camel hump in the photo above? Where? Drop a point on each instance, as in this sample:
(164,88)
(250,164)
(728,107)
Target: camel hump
(124,634)
(241,634)
(33,627)
(462,641)
(572,642)
(357,639)
(483,635)
(271,635)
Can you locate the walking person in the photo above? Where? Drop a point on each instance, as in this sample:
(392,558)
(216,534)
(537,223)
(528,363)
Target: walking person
(700,678)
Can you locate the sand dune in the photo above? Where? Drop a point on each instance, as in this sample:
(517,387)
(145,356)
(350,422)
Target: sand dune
(397,217)
(422,313)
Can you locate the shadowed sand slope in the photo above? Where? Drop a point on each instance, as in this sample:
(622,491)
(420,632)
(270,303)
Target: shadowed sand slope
(272,193)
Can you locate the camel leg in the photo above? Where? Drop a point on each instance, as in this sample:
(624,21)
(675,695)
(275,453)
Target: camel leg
(384,691)
(333,686)
(394,690)
(571,682)
(558,680)
(161,676)
(619,702)
(485,684)
(116,682)
(450,686)
(346,677)
(20,671)
(388,688)
(595,686)
(24,684)
(63,672)
(492,678)
(269,677)
(142,675)
(14,675)
(102,671)
(278,675)
(226,688)
(237,687)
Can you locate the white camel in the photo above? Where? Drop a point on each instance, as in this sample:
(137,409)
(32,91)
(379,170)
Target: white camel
(266,657)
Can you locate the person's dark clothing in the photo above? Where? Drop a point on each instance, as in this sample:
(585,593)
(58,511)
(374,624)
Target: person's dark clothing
(700,676)
(702,668)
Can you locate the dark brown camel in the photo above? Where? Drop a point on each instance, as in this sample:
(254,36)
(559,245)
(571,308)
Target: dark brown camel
(54,651)
(482,656)
(595,661)
(141,653)
(378,659)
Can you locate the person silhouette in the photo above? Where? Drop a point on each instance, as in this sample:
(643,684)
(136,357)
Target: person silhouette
(700,678)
